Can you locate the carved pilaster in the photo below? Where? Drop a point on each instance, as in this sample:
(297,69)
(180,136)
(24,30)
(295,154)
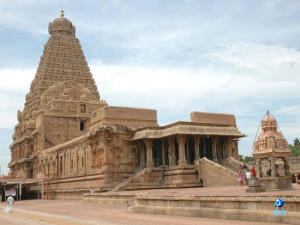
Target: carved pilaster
(107,162)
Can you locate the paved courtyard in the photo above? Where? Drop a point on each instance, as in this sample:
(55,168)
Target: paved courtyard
(75,212)
(218,191)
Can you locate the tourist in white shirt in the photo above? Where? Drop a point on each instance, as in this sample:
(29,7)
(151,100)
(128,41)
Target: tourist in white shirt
(10,202)
(248,176)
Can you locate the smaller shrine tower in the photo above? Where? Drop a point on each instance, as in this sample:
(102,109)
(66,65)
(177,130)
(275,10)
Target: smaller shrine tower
(271,146)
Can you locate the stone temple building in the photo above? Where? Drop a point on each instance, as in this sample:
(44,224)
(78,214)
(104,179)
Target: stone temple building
(272,147)
(71,136)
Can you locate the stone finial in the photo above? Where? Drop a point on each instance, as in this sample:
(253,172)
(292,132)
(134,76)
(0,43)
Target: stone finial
(62,12)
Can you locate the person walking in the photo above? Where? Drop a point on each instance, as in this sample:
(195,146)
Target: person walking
(253,172)
(10,202)
(245,167)
(248,176)
(241,177)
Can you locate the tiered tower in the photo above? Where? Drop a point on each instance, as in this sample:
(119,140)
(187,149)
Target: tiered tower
(271,146)
(62,96)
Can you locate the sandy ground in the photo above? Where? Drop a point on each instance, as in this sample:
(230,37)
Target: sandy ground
(76,212)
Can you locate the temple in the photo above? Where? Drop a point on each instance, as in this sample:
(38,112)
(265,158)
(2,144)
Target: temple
(73,139)
(272,147)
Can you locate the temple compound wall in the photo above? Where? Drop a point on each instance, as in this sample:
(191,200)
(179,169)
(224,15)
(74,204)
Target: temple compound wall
(67,134)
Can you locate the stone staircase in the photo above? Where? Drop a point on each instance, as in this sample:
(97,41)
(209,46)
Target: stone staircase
(122,186)
(231,164)
(148,178)
(213,174)
(203,173)
(161,177)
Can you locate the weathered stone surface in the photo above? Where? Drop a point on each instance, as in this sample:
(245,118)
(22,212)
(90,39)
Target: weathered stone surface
(213,119)
(78,142)
(271,146)
(232,204)
(130,117)
(254,185)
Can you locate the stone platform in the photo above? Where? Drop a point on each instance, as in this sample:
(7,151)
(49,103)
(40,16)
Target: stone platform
(231,203)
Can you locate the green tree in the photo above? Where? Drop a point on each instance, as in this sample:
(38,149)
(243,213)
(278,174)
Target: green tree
(241,158)
(249,159)
(295,149)
(296,142)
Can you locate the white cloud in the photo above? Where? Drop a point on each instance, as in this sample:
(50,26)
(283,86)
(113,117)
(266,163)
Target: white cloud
(16,79)
(15,85)
(182,85)
(293,110)
(258,56)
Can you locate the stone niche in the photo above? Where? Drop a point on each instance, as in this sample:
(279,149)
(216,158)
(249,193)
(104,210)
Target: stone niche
(272,148)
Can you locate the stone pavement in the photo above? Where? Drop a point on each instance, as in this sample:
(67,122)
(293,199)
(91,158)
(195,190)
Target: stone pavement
(218,191)
(75,212)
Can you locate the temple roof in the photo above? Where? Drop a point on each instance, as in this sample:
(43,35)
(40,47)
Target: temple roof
(186,128)
(270,140)
(61,24)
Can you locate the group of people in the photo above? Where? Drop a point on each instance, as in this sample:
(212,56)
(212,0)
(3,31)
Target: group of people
(244,172)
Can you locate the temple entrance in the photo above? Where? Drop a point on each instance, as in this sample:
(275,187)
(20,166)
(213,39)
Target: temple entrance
(32,189)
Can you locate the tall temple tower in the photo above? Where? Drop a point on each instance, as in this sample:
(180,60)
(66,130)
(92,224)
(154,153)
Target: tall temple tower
(61,98)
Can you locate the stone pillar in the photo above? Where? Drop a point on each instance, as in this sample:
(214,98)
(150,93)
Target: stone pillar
(163,152)
(196,143)
(273,167)
(181,146)
(296,178)
(171,151)
(228,147)
(286,167)
(148,143)
(187,151)
(214,149)
(142,155)
(258,165)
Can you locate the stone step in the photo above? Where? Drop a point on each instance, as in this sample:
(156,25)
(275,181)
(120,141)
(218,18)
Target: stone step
(109,198)
(249,208)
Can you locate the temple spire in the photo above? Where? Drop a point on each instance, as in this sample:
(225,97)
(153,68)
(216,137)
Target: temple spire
(62,12)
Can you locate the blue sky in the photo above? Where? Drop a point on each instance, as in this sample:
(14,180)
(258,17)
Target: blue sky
(239,57)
